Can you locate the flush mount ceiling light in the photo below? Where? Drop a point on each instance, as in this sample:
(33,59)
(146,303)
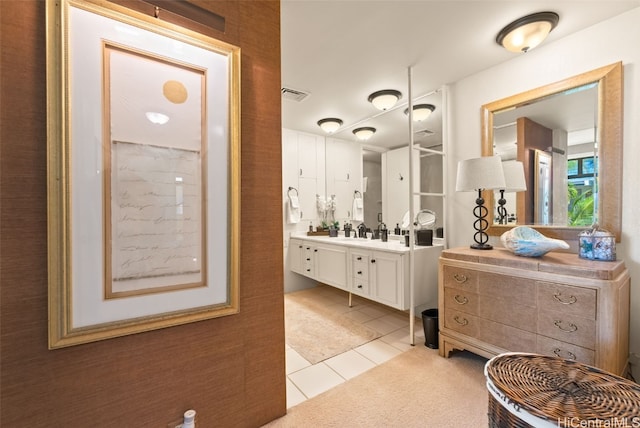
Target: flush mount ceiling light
(385,99)
(330,124)
(527,32)
(157,118)
(421,111)
(364,133)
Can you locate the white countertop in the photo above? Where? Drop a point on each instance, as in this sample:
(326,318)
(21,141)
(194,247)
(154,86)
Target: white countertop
(394,244)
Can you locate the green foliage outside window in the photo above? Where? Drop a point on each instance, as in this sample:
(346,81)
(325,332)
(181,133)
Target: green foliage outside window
(580,206)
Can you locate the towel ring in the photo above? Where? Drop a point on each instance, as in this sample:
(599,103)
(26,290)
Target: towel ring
(357,193)
(290,189)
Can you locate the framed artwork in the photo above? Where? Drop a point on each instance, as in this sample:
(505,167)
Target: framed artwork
(143,173)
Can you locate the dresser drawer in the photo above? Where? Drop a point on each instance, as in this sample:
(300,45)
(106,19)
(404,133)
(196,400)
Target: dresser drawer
(507,312)
(567,328)
(461,278)
(461,300)
(567,299)
(506,337)
(548,346)
(517,290)
(461,322)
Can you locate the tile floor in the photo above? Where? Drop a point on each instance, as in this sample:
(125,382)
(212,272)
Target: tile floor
(305,380)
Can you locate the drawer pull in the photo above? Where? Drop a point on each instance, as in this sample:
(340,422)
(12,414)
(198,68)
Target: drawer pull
(571,329)
(461,300)
(359,286)
(359,272)
(359,258)
(461,322)
(460,278)
(570,355)
(571,301)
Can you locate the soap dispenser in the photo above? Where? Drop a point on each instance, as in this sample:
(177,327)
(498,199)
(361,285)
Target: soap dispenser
(384,233)
(396,231)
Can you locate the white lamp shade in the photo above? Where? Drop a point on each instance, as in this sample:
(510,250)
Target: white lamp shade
(514,176)
(421,111)
(479,174)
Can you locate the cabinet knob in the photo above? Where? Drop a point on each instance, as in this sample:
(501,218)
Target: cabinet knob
(299,246)
(558,296)
(570,355)
(373,260)
(315,251)
(359,272)
(308,270)
(359,286)
(461,300)
(308,248)
(359,258)
(571,329)
(460,278)
(308,258)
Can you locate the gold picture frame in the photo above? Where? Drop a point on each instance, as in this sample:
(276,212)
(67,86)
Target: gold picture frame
(143,160)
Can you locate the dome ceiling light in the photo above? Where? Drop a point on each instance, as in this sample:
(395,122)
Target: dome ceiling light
(421,111)
(330,124)
(365,133)
(527,32)
(385,99)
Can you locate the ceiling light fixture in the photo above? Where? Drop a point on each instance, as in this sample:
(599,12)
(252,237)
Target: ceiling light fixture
(385,99)
(157,118)
(421,111)
(365,133)
(330,124)
(527,32)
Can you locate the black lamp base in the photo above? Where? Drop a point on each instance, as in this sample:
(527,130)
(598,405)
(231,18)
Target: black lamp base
(481,246)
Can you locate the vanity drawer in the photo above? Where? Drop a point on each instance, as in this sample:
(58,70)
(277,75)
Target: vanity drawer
(506,312)
(461,322)
(360,286)
(553,347)
(568,299)
(567,328)
(461,300)
(518,290)
(461,278)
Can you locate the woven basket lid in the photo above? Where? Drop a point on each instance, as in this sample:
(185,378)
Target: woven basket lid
(560,390)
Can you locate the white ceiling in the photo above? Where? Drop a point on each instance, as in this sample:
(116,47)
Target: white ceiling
(342,51)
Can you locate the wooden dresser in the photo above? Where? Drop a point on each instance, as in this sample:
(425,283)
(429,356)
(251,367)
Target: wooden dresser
(492,301)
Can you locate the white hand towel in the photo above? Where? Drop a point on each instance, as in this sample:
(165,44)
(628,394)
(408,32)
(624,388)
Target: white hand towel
(358,210)
(293,210)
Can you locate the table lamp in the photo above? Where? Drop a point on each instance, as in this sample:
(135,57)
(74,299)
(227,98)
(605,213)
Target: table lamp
(514,182)
(480,174)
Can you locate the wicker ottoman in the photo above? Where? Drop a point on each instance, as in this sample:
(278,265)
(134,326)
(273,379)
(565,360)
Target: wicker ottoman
(530,390)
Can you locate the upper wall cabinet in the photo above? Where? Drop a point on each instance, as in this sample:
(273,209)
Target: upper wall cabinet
(344,175)
(303,167)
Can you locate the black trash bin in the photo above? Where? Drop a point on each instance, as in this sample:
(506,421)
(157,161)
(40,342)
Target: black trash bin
(430,325)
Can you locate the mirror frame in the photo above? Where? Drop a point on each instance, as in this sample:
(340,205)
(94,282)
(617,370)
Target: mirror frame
(610,119)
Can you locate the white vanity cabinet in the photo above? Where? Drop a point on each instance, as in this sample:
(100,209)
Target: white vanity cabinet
(325,263)
(376,270)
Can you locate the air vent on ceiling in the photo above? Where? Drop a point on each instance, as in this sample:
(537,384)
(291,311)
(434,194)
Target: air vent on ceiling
(294,94)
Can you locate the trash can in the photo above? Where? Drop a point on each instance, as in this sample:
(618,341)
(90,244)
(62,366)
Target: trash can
(430,325)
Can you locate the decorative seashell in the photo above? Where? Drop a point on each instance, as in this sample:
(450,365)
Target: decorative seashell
(528,242)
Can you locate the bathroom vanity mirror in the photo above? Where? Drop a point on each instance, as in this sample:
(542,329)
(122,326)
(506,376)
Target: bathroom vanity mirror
(595,95)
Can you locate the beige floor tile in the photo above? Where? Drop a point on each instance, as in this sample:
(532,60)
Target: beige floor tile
(350,364)
(378,351)
(380,326)
(295,361)
(294,395)
(316,379)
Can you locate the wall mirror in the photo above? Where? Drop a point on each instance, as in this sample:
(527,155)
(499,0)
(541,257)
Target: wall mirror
(581,139)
